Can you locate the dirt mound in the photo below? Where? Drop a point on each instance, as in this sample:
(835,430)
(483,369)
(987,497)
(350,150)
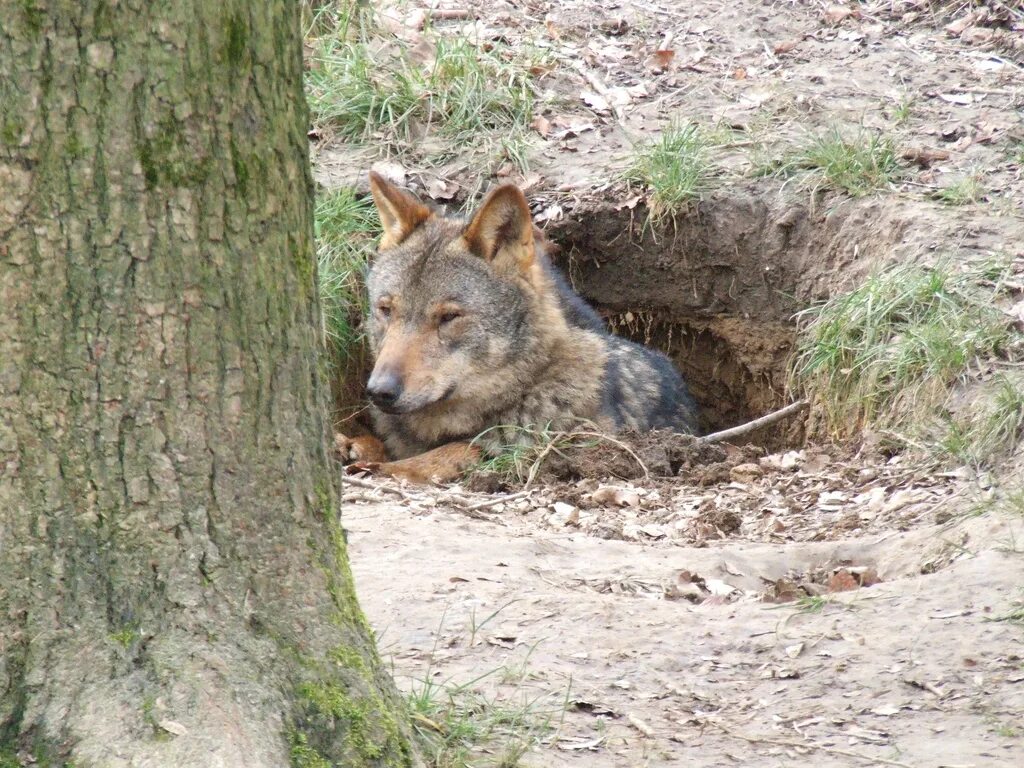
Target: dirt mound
(641,456)
(633,455)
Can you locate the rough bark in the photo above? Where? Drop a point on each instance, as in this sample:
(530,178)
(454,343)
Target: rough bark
(174,589)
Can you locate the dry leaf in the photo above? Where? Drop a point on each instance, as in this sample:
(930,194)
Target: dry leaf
(564,514)
(580,744)
(552,213)
(953,29)
(620,497)
(530,181)
(837,13)
(617,26)
(629,203)
(961,99)
(640,725)
(925,156)
(740,73)
(392,171)
(439,189)
(502,641)
(620,96)
(424,53)
(977,35)
(569,126)
(416,19)
(842,581)
(595,101)
(885,711)
(659,61)
(746,472)
(541,125)
(172,726)
(785,47)
(719,588)
(1017,312)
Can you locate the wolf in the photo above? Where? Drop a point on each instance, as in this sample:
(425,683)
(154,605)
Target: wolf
(478,342)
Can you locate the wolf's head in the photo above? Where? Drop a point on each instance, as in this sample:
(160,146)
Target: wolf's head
(458,310)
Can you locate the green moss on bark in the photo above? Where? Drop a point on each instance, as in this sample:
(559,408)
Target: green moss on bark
(236,36)
(168,159)
(33,16)
(9,758)
(342,710)
(302,755)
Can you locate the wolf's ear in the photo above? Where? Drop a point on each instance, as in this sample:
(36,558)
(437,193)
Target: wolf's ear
(400,212)
(501,232)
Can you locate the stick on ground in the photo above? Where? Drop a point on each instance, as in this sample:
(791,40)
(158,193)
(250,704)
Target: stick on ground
(750,426)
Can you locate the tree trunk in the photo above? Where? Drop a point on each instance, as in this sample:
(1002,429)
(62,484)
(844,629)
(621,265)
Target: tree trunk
(174,589)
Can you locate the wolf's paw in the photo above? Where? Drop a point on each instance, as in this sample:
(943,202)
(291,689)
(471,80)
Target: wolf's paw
(365,449)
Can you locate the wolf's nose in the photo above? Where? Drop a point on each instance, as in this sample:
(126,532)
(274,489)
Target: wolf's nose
(384,388)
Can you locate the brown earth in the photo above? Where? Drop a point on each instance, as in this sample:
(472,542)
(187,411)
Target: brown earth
(751,606)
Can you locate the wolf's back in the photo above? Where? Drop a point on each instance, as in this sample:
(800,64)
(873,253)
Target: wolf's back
(642,390)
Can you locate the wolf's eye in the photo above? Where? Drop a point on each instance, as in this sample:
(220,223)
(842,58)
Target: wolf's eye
(384,309)
(446,317)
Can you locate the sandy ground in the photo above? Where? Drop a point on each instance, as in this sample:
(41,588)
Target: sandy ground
(907,672)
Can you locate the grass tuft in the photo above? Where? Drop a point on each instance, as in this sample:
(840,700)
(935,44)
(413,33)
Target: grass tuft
(888,353)
(518,454)
(903,110)
(1015,153)
(442,94)
(456,725)
(1013,616)
(354,98)
(812,603)
(346,231)
(675,168)
(857,165)
(992,425)
(965,191)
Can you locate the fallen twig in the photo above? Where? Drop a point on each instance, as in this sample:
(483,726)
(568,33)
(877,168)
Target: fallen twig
(450,14)
(750,426)
(495,501)
(358,482)
(602,90)
(808,745)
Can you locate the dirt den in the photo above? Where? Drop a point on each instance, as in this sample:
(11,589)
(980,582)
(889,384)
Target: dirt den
(779,604)
(717,292)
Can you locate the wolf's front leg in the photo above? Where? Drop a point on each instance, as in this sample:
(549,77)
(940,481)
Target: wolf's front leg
(435,466)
